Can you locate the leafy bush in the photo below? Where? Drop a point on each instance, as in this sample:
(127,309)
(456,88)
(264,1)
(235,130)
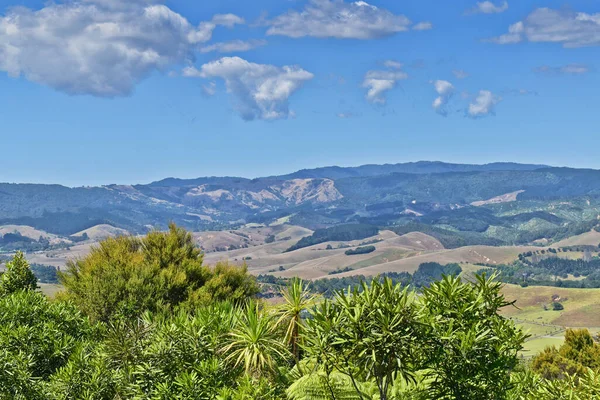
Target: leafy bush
(270,239)
(360,250)
(37,338)
(161,271)
(18,276)
(578,353)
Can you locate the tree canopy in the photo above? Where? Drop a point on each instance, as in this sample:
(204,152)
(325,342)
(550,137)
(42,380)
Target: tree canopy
(18,276)
(163,270)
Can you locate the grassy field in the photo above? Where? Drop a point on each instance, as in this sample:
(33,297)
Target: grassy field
(547,327)
(49,289)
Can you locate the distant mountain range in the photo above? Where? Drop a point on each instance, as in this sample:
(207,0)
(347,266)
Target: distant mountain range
(494,202)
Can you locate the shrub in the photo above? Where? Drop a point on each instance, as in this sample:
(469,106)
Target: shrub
(127,276)
(37,338)
(360,250)
(18,276)
(270,239)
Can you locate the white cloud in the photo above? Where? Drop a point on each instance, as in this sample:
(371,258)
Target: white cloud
(234,46)
(570,69)
(545,25)
(423,26)
(488,7)
(380,82)
(228,20)
(101,47)
(338,19)
(210,89)
(445,90)
(483,105)
(120,4)
(460,74)
(261,91)
(392,64)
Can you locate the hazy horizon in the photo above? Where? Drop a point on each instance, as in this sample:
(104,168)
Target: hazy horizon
(282,173)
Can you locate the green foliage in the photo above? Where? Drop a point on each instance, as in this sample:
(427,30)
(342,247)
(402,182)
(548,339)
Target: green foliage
(88,375)
(226,282)
(545,272)
(378,340)
(529,386)
(270,239)
(556,306)
(318,385)
(368,334)
(425,274)
(127,275)
(155,357)
(578,353)
(18,276)
(472,349)
(360,250)
(297,299)
(253,343)
(253,389)
(37,338)
(432,271)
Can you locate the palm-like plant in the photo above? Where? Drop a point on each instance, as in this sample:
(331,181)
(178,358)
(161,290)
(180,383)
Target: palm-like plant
(254,344)
(298,298)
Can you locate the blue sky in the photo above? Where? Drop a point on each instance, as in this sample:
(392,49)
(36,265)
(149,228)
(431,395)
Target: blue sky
(97,92)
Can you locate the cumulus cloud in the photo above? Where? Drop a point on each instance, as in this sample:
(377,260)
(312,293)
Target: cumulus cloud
(487,7)
(339,19)
(234,46)
(380,82)
(546,25)
(514,35)
(101,47)
(483,105)
(260,91)
(445,90)
(460,74)
(570,69)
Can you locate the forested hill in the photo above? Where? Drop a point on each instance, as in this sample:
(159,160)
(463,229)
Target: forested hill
(493,203)
(421,167)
